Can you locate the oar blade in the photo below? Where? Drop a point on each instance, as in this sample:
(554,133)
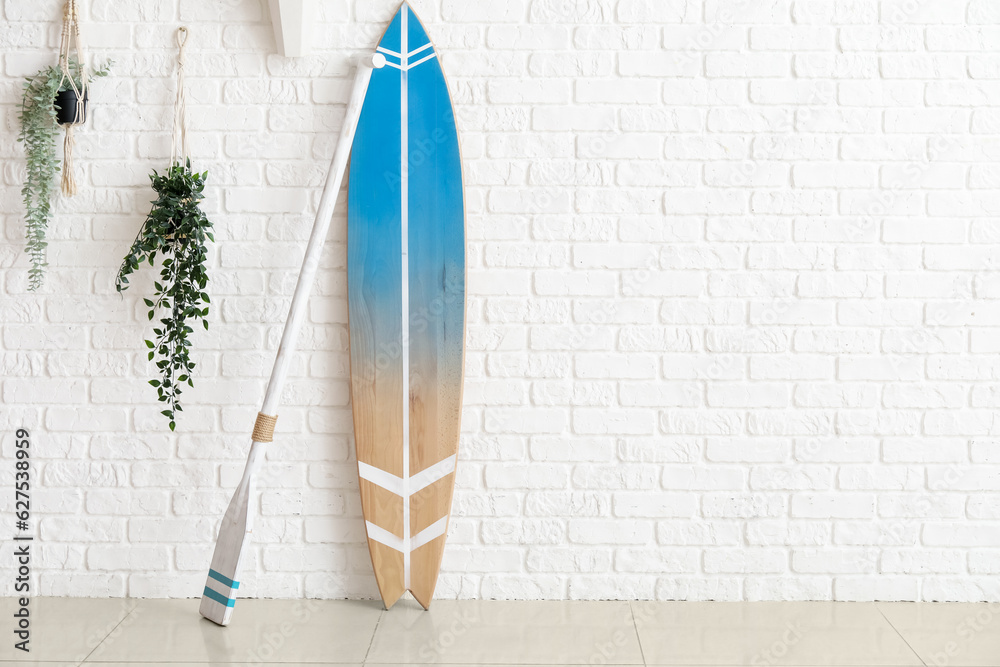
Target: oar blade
(219,596)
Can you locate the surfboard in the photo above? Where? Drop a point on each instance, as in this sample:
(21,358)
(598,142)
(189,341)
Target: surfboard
(406,309)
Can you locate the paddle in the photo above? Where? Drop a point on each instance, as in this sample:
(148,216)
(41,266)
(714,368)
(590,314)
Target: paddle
(219,596)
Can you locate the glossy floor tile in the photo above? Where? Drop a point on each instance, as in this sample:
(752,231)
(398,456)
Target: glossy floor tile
(300,633)
(262,631)
(768,633)
(64,630)
(471,632)
(954,634)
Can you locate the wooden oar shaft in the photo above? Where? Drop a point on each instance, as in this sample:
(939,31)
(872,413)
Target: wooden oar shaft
(324,214)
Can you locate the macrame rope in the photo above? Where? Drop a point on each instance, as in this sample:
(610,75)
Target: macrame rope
(263,428)
(178,139)
(69,41)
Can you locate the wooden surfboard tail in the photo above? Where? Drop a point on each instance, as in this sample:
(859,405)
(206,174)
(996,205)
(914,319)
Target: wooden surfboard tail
(407,560)
(388,563)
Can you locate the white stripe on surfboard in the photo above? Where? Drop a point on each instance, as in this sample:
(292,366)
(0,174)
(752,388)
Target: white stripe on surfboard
(404,177)
(418,482)
(421,61)
(408,68)
(418,50)
(404,65)
(388,52)
(383,536)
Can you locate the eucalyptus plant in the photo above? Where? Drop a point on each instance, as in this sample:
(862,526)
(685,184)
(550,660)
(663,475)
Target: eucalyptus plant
(38,134)
(177,229)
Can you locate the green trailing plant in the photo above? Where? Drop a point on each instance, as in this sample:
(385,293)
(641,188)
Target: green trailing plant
(38,134)
(177,229)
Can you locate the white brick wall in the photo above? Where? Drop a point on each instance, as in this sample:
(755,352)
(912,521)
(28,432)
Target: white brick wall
(733,318)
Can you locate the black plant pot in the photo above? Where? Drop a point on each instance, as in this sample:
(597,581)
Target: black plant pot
(66,104)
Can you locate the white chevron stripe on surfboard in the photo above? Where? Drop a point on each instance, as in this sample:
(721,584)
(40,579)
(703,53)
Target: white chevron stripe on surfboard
(404,64)
(418,482)
(383,536)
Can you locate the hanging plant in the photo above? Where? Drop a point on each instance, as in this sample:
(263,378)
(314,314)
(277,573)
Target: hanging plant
(43,101)
(177,229)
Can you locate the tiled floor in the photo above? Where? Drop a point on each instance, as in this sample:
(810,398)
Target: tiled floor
(157,633)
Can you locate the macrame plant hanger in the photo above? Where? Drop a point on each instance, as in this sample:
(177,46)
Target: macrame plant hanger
(178,137)
(70,41)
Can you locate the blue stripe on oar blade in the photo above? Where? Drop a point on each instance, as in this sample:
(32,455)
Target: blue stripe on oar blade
(219,597)
(224,579)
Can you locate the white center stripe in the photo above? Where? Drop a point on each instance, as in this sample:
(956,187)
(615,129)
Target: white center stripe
(404,177)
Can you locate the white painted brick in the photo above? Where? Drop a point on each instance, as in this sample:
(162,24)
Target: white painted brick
(960,535)
(875,587)
(743,505)
(839,561)
(500,12)
(746,561)
(570,64)
(737,450)
(791,38)
(745,65)
(748,395)
(501,91)
(592,421)
(608,531)
(900,11)
(834,175)
(881,94)
(881,38)
(920,506)
(616,91)
(545,37)
(835,66)
(848,12)
(650,11)
(833,506)
(655,64)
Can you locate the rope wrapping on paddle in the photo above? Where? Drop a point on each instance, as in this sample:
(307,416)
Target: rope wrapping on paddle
(263,428)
